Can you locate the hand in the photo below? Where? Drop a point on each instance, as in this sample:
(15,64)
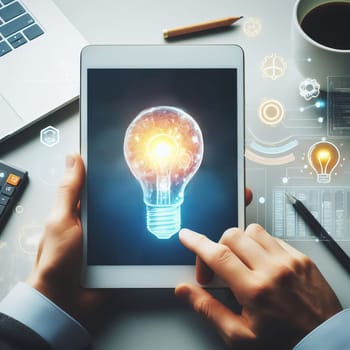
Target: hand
(248,196)
(282,293)
(57,269)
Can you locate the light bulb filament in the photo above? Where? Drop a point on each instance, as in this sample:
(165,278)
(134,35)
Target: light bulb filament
(163,190)
(324,157)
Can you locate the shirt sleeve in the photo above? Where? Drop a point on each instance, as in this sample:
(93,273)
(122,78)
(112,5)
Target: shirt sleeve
(333,334)
(28,306)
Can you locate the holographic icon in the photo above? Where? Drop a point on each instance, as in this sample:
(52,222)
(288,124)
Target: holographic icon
(50,136)
(273,66)
(309,89)
(323,156)
(271,112)
(252,27)
(19,209)
(29,238)
(163,147)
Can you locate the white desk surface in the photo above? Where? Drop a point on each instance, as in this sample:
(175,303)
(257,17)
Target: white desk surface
(154,319)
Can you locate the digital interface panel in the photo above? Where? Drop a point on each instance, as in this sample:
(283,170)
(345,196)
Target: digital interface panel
(302,148)
(162,155)
(339,106)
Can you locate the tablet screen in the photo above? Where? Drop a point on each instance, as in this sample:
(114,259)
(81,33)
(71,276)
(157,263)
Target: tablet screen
(161,155)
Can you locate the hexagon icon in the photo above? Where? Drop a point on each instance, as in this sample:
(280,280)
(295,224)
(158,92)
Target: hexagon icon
(50,136)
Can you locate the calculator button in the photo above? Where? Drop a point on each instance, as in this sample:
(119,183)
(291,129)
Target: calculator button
(8,190)
(13,180)
(3,176)
(3,200)
(2,208)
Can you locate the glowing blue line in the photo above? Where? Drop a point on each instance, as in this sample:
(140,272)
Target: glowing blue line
(274,150)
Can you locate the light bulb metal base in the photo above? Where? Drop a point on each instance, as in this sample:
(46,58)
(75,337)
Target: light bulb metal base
(163,221)
(323,178)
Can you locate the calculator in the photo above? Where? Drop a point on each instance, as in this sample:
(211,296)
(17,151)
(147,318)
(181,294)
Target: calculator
(13,181)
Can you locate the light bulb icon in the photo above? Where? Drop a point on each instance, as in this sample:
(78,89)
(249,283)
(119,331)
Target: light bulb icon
(323,157)
(163,147)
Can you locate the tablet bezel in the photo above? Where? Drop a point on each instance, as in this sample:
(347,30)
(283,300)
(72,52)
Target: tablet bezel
(156,56)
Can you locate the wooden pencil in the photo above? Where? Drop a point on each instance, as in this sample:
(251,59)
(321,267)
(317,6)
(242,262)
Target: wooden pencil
(199,27)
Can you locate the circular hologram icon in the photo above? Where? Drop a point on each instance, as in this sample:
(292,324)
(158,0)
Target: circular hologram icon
(19,209)
(50,136)
(252,27)
(273,66)
(309,89)
(271,112)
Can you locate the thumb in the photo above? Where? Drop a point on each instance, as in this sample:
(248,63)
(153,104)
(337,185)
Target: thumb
(71,185)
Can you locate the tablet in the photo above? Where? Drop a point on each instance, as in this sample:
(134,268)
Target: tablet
(162,138)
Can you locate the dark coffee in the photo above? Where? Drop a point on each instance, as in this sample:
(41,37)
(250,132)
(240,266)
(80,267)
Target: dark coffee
(329,24)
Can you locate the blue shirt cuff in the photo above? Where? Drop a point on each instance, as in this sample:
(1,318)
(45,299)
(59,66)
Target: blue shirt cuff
(28,306)
(332,334)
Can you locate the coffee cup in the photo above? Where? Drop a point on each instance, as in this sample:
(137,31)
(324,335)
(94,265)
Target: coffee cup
(321,49)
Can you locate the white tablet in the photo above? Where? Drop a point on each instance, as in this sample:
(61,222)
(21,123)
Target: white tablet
(162,137)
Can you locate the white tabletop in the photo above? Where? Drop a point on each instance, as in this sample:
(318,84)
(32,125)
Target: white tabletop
(154,319)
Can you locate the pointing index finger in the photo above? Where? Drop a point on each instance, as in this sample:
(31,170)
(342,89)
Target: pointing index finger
(219,258)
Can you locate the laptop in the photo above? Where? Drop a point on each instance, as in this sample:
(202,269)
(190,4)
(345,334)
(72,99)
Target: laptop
(39,62)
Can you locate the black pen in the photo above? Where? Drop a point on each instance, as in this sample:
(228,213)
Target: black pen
(320,232)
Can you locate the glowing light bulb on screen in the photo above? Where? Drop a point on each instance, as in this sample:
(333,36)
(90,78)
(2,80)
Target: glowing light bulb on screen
(163,147)
(323,157)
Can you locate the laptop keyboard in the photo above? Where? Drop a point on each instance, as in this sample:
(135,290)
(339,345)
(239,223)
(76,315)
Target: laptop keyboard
(17,26)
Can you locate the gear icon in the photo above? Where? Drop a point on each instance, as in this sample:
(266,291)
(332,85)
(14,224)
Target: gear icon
(309,89)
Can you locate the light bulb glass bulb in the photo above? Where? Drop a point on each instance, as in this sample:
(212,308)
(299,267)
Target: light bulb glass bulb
(163,147)
(323,157)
